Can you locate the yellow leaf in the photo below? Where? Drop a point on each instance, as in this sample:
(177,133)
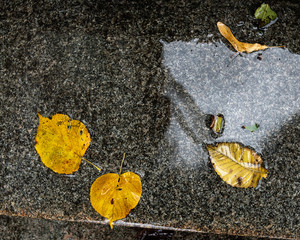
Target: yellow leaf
(113,195)
(240,46)
(237,165)
(61,143)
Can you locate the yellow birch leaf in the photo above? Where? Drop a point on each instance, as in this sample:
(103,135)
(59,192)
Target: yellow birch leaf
(240,46)
(237,165)
(61,143)
(113,195)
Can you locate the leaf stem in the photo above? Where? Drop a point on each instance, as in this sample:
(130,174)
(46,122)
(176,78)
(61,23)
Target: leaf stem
(277,47)
(92,164)
(122,164)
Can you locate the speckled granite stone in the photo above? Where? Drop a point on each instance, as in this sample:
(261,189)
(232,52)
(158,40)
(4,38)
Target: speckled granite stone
(31,228)
(142,76)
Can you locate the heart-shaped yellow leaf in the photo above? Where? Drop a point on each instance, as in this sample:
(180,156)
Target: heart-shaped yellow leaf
(237,165)
(61,143)
(113,195)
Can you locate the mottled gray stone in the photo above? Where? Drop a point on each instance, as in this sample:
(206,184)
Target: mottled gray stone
(31,228)
(142,76)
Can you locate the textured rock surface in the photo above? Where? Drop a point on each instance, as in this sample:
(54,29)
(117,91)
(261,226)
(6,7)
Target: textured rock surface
(30,228)
(142,76)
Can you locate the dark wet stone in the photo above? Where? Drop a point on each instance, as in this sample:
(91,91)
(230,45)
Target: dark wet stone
(30,228)
(142,76)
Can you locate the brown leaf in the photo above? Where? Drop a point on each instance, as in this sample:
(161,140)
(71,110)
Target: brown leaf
(240,46)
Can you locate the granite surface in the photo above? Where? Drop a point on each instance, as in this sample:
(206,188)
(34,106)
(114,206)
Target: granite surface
(31,228)
(142,76)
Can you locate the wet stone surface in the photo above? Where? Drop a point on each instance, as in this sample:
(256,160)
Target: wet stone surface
(31,228)
(143,76)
